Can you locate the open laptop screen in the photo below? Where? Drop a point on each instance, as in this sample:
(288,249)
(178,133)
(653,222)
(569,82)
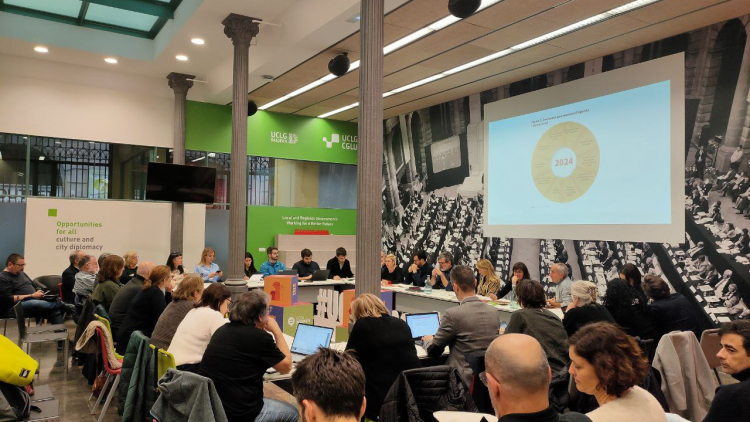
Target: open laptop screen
(309,338)
(423,324)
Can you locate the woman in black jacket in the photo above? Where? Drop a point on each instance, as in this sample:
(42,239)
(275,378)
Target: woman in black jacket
(671,312)
(629,308)
(520,273)
(147,306)
(384,347)
(390,272)
(583,309)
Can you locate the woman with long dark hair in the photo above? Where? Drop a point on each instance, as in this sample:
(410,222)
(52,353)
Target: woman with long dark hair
(519,272)
(174,262)
(147,306)
(629,308)
(249,266)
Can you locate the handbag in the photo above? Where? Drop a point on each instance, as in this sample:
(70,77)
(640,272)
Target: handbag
(98,386)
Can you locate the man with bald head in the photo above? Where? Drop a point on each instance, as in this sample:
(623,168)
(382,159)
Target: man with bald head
(517,375)
(121,302)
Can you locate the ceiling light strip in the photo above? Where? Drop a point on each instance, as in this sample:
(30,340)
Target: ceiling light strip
(400,43)
(518,47)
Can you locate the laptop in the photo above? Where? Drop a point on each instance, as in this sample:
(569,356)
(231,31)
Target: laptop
(320,275)
(288,272)
(422,325)
(307,340)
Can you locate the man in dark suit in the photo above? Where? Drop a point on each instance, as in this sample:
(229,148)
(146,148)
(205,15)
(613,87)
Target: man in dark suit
(419,272)
(69,276)
(700,162)
(339,266)
(469,327)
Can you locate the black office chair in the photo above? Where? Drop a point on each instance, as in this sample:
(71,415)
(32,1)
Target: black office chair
(479,392)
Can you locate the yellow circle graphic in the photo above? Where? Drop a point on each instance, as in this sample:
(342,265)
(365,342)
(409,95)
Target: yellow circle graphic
(565,162)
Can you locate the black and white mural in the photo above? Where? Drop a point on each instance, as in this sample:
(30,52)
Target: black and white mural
(434,175)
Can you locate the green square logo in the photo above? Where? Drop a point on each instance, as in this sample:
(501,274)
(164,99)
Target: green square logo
(52,212)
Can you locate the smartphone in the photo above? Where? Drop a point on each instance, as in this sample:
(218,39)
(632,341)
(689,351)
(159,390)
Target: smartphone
(503,325)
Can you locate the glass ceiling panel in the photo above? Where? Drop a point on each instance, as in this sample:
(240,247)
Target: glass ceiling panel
(119,17)
(68,8)
(164,1)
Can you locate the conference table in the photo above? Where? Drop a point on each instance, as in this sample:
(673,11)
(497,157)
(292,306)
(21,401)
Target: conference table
(307,291)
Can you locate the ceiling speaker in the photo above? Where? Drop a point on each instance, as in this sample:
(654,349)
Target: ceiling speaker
(252,108)
(339,65)
(463,8)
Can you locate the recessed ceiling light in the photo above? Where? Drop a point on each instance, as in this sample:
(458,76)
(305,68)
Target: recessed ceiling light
(110,60)
(181,57)
(198,41)
(41,49)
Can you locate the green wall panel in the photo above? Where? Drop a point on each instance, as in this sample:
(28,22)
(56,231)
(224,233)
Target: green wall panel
(208,127)
(264,223)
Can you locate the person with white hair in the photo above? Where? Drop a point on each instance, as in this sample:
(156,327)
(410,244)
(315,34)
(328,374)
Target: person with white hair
(583,308)
(558,274)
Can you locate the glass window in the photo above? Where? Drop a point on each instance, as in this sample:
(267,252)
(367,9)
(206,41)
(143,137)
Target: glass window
(69,168)
(12,167)
(222,163)
(304,184)
(129,166)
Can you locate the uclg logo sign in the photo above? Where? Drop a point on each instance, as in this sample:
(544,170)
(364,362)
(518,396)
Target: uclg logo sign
(347,141)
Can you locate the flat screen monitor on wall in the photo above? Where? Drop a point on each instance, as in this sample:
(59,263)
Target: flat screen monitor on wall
(598,158)
(176,183)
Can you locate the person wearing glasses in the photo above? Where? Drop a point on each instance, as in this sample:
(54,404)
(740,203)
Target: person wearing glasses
(238,356)
(517,376)
(199,325)
(16,286)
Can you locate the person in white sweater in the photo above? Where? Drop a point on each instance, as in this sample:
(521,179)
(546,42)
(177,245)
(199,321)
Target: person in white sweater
(195,331)
(608,364)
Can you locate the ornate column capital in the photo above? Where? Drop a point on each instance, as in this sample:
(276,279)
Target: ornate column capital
(179,82)
(240,29)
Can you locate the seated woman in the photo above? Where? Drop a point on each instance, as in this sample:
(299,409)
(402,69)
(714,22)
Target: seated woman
(131,266)
(195,331)
(238,356)
(384,347)
(608,364)
(532,319)
(629,308)
(107,281)
(390,273)
(184,297)
(520,272)
(147,306)
(671,312)
(174,262)
(207,268)
(249,266)
(489,282)
(584,309)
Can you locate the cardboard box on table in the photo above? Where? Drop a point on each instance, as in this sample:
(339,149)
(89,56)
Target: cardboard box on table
(286,310)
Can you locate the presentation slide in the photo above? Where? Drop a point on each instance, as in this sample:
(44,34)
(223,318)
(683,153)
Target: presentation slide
(446,154)
(601,162)
(57,227)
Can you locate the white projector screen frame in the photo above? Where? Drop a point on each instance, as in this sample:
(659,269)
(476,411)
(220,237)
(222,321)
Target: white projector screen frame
(671,68)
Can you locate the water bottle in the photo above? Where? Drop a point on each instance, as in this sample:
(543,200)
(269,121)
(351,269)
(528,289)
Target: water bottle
(427,287)
(513,301)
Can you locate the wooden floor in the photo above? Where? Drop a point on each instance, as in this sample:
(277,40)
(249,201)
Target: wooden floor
(73,390)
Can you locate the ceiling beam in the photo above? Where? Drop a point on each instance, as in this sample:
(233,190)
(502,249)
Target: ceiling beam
(147,7)
(82,12)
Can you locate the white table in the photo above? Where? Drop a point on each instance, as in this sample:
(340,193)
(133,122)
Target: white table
(307,291)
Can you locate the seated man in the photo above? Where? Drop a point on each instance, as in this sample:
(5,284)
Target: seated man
(469,327)
(420,270)
(273,266)
(16,286)
(85,280)
(518,376)
(238,355)
(558,274)
(441,276)
(306,267)
(731,400)
(68,276)
(125,296)
(339,266)
(330,386)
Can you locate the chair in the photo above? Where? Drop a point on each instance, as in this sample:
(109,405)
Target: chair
(50,282)
(60,289)
(110,372)
(164,362)
(711,345)
(41,334)
(105,321)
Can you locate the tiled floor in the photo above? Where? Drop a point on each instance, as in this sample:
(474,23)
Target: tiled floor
(73,390)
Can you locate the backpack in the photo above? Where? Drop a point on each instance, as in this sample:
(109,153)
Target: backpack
(18,368)
(18,399)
